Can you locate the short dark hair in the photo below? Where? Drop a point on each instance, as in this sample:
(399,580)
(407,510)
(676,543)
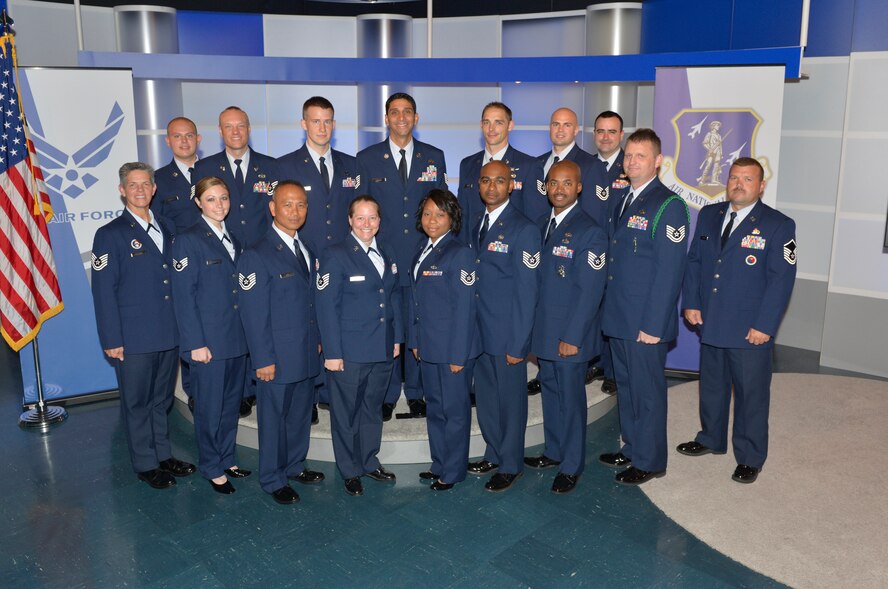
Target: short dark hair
(567,164)
(445,201)
(319,101)
(363,198)
(642,135)
(750,161)
(282,183)
(609,114)
(496,104)
(207,183)
(184,120)
(400,96)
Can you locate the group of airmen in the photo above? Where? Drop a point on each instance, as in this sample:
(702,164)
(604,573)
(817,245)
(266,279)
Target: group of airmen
(323,277)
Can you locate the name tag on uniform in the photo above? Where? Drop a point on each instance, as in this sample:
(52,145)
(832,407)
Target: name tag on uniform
(134,254)
(307,188)
(287,275)
(211,262)
(170,199)
(357,278)
(377,179)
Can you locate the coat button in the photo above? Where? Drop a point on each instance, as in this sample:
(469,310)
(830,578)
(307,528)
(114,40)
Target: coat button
(165,281)
(234,292)
(610,277)
(328,206)
(329,222)
(406,215)
(243,222)
(406,231)
(164,266)
(381,305)
(716,276)
(714,290)
(381,291)
(166,297)
(235,306)
(382,320)
(243,206)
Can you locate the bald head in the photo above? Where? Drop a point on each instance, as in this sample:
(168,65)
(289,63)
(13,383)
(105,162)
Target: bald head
(563,128)
(495,184)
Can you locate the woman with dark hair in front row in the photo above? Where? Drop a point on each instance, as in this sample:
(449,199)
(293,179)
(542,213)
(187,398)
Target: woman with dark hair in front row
(359,317)
(211,337)
(443,335)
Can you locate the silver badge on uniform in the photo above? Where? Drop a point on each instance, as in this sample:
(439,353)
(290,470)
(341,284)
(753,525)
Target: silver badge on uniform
(247,282)
(467,278)
(99,262)
(675,235)
(530,260)
(179,265)
(597,262)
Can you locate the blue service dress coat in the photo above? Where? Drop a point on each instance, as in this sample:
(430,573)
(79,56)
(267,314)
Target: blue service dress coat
(277,308)
(133,302)
(444,331)
(508,288)
(205,297)
(327,220)
(528,196)
(173,197)
(398,203)
(360,320)
(249,218)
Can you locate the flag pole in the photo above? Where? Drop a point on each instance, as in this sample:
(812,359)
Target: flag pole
(42,416)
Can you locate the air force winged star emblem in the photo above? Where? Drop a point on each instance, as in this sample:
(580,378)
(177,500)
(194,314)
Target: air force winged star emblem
(530,260)
(597,262)
(179,265)
(247,282)
(323,281)
(602,192)
(675,235)
(99,263)
(71,175)
(467,278)
(789,252)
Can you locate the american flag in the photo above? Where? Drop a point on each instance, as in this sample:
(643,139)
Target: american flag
(29,285)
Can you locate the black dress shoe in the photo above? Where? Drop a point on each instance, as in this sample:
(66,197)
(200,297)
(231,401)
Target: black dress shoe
(308,477)
(480,468)
(745,474)
(695,448)
(635,476)
(534,387)
(439,486)
(594,373)
(225,488)
(541,461)
(157,478)
(177,468)
(616,460)
(417,407)
(314,415)
(609,386)
(428,475)
(564,483)
(238,473)
(191,405)
(387,409)
(286,495)
(354,487)
(246,408)
(501,481)
(382,475)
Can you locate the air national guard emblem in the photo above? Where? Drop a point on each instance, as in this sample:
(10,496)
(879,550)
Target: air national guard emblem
(530,260)
(675,235)
(99,263)
(789,251)
(179,265)
(247,282)
(323,281)
(601,192)
(597,262)
(707,142)
(136,244)
(541,187)
(467,278)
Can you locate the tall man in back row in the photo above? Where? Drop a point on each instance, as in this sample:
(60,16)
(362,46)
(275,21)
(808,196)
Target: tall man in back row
(648,229)
(741,271)
(398,173)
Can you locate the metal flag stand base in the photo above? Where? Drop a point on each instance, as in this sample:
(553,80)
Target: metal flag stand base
(42,417)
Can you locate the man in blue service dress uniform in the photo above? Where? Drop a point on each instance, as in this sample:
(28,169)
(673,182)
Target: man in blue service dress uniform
(529,193)
(398,173)
(277,309)
(507,246)
(741,271)
(330,179)
(250,177)
(648,250)
(131,266)
(173,197)
(565,332)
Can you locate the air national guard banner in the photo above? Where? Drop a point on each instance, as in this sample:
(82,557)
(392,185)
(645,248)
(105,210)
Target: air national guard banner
(83,128)
(706,119)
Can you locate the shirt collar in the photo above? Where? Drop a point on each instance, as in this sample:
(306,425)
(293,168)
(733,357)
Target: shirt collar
(495,214)
(287,239)
(498,156)
(219,232)
(365,247)
(637,191)
(396,151)
(245,160)
(560,217)
(315,157)
(142,222)
(436,242)
(610,161)
(183,167)
(563,153)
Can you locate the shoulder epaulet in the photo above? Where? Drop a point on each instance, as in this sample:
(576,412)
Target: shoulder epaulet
(663,208)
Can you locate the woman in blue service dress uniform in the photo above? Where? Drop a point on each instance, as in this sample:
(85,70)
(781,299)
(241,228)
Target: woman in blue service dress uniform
(443,334)
(205,296)
(359,316)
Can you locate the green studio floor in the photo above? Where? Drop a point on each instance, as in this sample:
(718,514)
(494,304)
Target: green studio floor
(76,516)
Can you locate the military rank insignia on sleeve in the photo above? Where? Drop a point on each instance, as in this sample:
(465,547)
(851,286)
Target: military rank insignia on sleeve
(675,235)
(99,262)
(179,265)
(602,192)
(467,278)
(323,281)
(541,187)
(597,262)
(530,260)
(789,251)
(247,282)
